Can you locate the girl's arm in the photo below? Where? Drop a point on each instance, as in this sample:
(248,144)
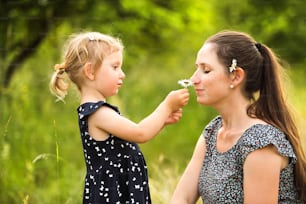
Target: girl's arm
(261,175)
(106,121)
(174,117)
(186,191)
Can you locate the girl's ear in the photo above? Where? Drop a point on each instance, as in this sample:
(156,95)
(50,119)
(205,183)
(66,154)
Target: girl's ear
(88,71)
(237,76)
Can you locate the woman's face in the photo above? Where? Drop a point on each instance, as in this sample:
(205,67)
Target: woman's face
(211,79)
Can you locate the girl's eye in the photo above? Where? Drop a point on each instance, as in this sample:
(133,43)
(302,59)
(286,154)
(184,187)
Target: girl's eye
(206,71)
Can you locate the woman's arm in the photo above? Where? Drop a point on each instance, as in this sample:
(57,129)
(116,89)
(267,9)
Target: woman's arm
(261,176)
(186,191)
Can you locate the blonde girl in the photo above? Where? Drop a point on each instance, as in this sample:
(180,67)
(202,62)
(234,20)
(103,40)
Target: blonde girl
(116,168)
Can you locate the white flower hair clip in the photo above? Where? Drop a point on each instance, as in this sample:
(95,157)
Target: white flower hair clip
(233,65)
(91,38)
(185,83)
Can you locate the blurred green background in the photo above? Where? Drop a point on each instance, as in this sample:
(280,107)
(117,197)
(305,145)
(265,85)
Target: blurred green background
(41,158)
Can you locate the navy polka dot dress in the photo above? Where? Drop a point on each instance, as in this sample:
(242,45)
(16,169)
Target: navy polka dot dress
(116,169)
(221,178)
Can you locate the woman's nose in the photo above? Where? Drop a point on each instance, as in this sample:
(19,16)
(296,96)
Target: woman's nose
(194,78)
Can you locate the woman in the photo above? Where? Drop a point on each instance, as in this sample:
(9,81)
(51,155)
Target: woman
(251,152)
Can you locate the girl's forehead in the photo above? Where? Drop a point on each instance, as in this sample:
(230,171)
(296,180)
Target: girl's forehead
(116,54)
(114,57)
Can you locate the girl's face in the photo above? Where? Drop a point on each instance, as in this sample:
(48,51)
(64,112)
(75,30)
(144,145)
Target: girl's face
(109,77)
(211,80)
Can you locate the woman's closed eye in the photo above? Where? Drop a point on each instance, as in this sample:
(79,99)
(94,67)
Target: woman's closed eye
(204,68)
(206,71)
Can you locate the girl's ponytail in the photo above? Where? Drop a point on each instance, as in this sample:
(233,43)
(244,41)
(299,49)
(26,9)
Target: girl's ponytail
(59,82)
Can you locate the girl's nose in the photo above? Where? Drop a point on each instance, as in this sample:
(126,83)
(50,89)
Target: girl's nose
(122,74)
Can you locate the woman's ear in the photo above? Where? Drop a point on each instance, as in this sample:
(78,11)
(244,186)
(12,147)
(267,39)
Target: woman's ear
(88,71)
(237,77)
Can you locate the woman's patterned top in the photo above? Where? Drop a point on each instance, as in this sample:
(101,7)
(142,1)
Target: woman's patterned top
(221,178)
(116,169)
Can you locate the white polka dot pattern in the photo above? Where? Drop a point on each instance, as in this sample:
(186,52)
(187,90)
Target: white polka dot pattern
(116,169)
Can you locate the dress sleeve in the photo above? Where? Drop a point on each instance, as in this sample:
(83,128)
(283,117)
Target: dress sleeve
(260,136)
(88,108)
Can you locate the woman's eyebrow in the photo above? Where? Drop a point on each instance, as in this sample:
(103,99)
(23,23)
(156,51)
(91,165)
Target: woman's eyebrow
(202,64)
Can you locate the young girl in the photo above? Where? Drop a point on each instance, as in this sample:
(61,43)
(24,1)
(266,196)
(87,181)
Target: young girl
(250,153)
(116,169)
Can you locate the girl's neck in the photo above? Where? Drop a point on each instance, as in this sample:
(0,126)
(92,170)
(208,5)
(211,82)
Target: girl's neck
(91,95)
(92,98)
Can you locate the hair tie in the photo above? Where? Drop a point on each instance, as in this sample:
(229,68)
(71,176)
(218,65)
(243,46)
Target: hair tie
(258,46)
(60,68)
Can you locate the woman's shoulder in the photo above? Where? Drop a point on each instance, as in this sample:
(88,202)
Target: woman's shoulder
(264,133)
(261,135)
(216,121)
(211,129)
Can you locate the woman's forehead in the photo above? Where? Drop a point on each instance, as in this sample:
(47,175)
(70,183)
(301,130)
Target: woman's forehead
(207,52)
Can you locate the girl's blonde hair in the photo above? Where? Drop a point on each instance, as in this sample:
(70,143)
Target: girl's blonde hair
(79,49)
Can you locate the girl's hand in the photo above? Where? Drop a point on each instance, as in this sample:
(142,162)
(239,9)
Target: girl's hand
(177,99)
(174,117)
